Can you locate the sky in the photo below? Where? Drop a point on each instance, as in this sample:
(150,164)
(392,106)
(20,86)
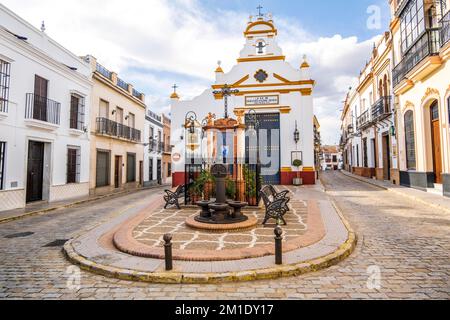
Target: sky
(154,44)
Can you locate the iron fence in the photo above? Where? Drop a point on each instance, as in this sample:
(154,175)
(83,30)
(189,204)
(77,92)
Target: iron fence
(382,108)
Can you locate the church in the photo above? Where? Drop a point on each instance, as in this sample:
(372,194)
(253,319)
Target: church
(262,88)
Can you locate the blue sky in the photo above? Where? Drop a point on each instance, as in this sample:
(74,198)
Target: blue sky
(320,17)
(156,43)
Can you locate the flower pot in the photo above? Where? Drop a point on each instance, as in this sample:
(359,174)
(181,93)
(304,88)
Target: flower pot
(298,182)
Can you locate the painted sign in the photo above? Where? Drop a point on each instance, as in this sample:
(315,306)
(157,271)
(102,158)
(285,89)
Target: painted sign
(176,157)
(262,100)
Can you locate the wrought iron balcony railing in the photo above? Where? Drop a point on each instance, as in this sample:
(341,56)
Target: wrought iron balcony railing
(43,109)
(427,45)
(122,84)
(363,120)
(103,71)
(445,30)
(382,108)
(117,130)
(136,94)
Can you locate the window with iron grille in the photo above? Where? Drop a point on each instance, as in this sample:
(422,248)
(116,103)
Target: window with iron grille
(410,141)
(73,165)
(131,167)
(76,112)
(169,170)
(2,163)
(5,68)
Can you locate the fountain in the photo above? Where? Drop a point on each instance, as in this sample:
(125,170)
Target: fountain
(221,211)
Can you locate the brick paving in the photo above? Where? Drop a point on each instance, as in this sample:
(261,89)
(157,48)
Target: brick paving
(151,231)
(408,242)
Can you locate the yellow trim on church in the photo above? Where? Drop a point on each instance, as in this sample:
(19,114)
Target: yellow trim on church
(260,22)
(282,109)
(263,58)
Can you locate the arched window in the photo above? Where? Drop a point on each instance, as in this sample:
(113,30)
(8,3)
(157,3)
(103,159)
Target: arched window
(410,141)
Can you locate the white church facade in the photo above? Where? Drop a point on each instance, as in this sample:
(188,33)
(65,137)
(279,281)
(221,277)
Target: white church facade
(266,87)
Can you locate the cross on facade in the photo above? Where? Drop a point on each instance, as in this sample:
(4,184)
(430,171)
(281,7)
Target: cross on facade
(226,92)
(175,87)
(259,10)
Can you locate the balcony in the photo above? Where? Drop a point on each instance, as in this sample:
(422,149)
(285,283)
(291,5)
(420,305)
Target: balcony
(117,130)
(42,112)
(445,31)
(137,94)
(103,71)
(363,120)
(122,84)
(427,45)
(166,148)
(382,108)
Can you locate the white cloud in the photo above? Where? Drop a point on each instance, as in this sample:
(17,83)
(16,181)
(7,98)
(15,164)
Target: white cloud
(155,43)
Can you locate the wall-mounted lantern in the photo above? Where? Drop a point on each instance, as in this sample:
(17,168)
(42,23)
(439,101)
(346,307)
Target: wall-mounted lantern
(296,134)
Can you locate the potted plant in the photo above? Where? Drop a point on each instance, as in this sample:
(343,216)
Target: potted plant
(230,188)
(298,181)
(195,191)
(250,186)
(206,184)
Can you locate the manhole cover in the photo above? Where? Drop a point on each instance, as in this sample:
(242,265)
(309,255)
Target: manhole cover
(19,235)
(56,243)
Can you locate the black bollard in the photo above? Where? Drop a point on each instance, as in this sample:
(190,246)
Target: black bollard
(168,251)
(278,245)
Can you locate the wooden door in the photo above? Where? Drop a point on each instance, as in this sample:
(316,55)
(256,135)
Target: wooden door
(118,172)
(386,158)
(35,171)
(436,142)
(40,98)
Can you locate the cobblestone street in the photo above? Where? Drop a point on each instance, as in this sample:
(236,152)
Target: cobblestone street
(407,242)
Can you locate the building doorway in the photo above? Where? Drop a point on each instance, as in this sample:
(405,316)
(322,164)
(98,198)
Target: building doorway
(159,171)
(386,157)
(269,158)
(436,142)
(118,172)
(35,171)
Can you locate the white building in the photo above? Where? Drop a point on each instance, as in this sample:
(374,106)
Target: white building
(280,94)
(44,101)
(153,149)
(331,158)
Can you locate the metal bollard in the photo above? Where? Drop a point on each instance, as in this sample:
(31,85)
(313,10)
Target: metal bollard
(168,251)
(278,245)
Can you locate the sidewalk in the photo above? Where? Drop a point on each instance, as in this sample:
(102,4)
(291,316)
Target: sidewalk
(433,200)
(45,207)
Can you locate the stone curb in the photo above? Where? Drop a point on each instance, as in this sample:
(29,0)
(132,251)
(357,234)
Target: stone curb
(428,203)
(70,205)
(344,251)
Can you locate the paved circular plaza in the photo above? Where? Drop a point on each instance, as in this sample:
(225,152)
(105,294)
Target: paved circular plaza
(150,232)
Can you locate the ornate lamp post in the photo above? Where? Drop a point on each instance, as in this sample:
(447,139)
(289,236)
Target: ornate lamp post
(226,92)
(189,123)
(296,134)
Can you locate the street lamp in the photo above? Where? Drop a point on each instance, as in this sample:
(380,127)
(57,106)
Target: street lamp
(296,134)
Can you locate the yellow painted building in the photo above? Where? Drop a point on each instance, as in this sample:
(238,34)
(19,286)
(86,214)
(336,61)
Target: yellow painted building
(421,85)
(116,126)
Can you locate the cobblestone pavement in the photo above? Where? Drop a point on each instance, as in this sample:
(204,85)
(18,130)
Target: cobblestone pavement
(151,231)
(407,242)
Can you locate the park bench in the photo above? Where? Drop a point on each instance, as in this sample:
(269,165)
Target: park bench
(279,195)
(275,208)
(172,198)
